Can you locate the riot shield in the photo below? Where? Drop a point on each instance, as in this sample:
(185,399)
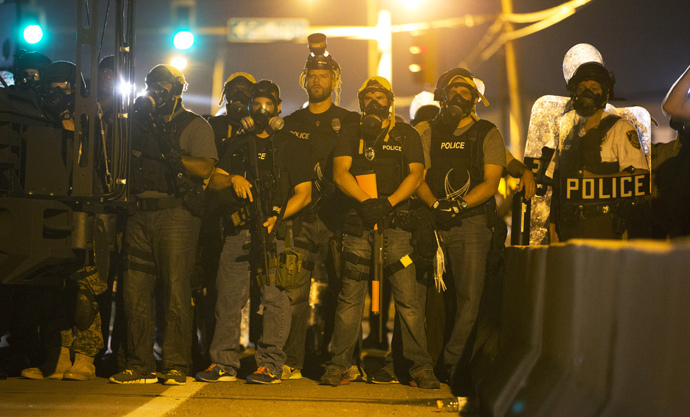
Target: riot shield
(551,119)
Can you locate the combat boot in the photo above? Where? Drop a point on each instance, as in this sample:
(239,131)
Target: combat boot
(63,364)
(82,370)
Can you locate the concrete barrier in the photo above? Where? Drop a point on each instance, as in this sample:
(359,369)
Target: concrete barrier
(592,328)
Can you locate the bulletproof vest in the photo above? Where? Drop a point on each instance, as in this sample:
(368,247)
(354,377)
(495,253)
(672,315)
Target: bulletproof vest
(223,132)
(388,163)
(318,130)
(151,175)
(457,162)
(272,181)
(585,152)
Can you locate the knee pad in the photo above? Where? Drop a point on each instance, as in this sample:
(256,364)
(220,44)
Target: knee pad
(85,310)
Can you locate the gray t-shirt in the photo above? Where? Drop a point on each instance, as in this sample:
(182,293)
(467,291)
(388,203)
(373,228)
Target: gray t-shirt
(493,149)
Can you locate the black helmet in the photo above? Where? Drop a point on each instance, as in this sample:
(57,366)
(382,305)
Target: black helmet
(107,62)
(267,89)
(445,79)
(319,58)
(36,60)
(169,74)
(60,72)
(593,71)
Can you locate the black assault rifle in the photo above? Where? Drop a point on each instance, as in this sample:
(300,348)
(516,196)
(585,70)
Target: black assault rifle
(259,212)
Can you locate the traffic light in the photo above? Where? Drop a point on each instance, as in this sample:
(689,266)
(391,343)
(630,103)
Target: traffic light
(183,19)
(30,25)
(423,54)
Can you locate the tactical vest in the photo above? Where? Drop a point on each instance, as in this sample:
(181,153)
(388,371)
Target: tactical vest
(585,152)
(151,175)
(388,163)
(593,218)
(457,162)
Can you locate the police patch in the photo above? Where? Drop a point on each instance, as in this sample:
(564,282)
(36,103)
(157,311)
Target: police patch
(632,138)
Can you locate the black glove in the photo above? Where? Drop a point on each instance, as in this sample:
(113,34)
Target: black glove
(373,210)
(445,212)
(173,159)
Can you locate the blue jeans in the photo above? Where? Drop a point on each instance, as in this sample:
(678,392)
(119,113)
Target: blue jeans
(466,247)
(315,234)
(161,251)
(233,291)
(232,285)
(403,284)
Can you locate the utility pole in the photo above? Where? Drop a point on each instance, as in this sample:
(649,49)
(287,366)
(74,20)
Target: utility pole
(516,141)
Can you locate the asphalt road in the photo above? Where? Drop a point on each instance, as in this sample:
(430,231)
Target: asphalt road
(25,398)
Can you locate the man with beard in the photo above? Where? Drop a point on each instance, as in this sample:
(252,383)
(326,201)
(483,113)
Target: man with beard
(279,160)
(464,157)
(318,125)
(598,148)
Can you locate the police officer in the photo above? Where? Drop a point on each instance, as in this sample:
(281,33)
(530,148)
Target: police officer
(236,95)
(318,125)
(29,67)
(78,316)
(393,152)
(464,158)
(173,152)
(226,126)
(598,145)
(282,189)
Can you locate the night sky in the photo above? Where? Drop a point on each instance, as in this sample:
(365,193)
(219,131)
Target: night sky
(645,43)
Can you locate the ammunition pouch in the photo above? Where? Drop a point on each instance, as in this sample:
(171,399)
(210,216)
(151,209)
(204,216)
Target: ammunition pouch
(353,224)
(191,193)
(352,273)
(289,267)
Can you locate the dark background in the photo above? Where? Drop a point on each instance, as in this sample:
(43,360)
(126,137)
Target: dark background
(645,43)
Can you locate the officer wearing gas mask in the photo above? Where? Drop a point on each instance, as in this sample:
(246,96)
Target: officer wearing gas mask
(28,70)
(172,154)
(588,202)
(80,333)
(59,86)
(464,157)
(392,151)
(319,126)
(225,126)
(236,95)
(265,175)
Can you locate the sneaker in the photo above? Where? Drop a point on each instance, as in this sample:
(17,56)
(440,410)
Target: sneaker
(215,373)
(356,374)
(425,380)
(130,376)
(382,376)
(334,377)
(263,376)
(291,373)
(175,377)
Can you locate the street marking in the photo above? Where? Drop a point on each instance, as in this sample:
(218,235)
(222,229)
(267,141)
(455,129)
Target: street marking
(161,404)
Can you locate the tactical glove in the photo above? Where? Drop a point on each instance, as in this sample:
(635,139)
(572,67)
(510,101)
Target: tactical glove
(445,212)
(373,210)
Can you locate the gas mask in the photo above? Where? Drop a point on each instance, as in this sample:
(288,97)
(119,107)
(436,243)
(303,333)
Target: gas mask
(586,103)
(154,98)
(236,107)
(455,110)
(57,101)
(261,117)
(374,115)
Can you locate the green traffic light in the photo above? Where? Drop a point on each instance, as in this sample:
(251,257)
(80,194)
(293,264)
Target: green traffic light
(33,34)
(183,39)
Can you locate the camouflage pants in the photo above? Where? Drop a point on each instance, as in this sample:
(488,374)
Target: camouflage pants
(90,341)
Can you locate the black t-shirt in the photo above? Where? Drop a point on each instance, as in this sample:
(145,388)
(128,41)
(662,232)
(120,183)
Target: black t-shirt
(292,164)
(317,131)
(399,146)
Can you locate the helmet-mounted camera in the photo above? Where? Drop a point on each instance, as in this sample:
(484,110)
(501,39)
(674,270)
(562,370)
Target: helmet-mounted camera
(319,58)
